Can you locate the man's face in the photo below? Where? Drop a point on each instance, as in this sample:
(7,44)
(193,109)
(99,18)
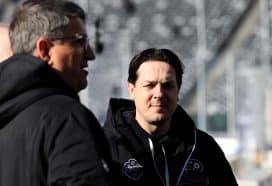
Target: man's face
(5,48)
(69,56)
(155,93)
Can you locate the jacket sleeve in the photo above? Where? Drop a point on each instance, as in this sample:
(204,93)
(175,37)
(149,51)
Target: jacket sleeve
(219,169)
(72,150)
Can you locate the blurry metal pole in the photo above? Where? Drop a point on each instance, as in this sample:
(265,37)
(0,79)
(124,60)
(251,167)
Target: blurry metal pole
(231,109)
(200,64)
(265,58)
(124,48)
(269,90)
(264,36)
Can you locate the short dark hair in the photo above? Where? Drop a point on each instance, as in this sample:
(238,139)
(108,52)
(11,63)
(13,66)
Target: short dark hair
(152,54)
(36,18)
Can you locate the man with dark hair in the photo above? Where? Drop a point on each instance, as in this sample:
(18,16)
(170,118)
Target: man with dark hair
(47,137)
(153,140)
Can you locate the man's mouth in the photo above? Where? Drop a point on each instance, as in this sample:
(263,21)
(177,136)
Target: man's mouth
(84,67)
(158,105)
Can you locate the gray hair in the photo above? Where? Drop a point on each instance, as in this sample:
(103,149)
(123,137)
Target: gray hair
(35,18)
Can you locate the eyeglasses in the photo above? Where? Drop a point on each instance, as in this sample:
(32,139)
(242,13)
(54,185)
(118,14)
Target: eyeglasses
(81,39)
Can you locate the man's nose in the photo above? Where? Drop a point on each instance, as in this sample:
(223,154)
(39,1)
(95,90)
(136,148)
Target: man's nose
(89,53)
(158,91)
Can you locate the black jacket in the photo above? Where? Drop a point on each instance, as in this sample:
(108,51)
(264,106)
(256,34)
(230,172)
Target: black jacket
(184,144)
(47,137)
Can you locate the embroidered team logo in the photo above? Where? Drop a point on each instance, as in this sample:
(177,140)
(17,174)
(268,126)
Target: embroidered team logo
(133,170)
(194,165)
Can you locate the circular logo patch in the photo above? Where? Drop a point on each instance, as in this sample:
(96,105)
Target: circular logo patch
(133,170)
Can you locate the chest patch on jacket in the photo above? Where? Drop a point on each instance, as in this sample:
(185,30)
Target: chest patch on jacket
(132,169)
(195,166)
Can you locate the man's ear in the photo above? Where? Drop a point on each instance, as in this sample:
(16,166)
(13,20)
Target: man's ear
(131,90)
(41,51)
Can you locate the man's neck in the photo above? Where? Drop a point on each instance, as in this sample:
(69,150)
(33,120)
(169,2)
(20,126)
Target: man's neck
(156,129)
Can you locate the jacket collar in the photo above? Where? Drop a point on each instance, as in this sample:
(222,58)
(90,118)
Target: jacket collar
(121,119)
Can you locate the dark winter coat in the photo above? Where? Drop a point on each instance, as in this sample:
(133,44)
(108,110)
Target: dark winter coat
(131,151)
(47,137)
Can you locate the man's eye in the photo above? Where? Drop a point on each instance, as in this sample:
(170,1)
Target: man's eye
(82,41)
(148,85)
(169,85)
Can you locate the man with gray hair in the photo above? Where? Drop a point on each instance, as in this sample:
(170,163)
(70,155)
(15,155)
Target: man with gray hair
(5,50)
(47,137)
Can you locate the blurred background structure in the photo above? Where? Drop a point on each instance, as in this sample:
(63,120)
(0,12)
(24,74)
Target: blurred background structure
(226,46)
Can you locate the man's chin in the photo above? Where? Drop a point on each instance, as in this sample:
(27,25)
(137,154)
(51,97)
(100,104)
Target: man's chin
(82,86)
(158,120)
